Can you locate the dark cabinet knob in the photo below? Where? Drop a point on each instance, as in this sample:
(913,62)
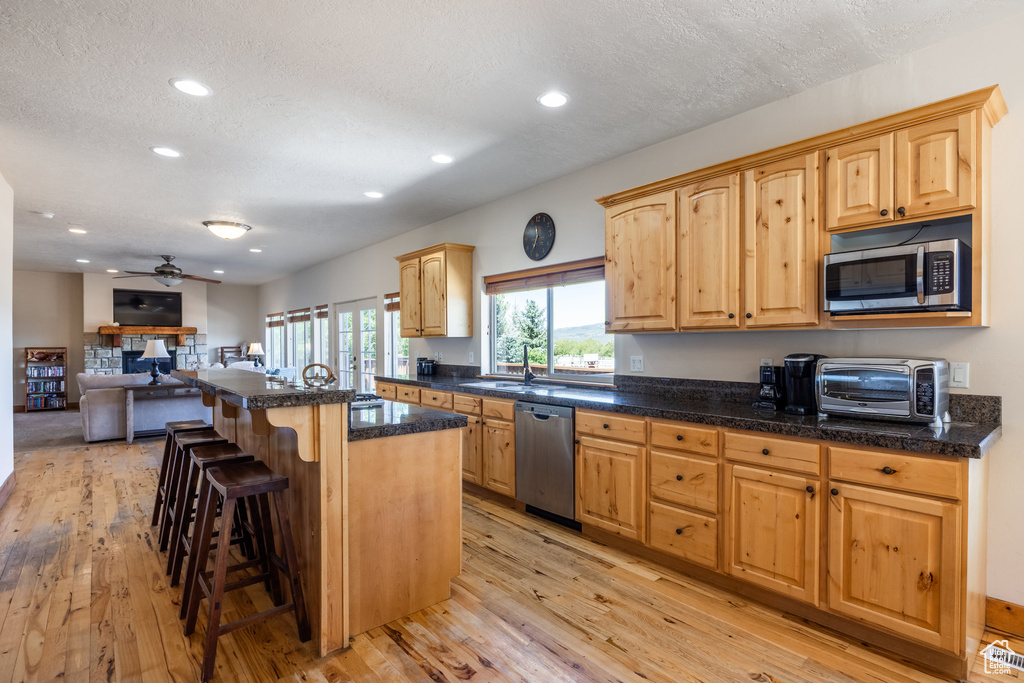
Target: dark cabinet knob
(576,441)
(885,212)
(750,315)
(607,322)
(679,477)
(433,398)
(810,489)
(835,492)
(679,437)
(605,426)
(902,211)
(679,532)
(731,315)
(764,451)
(888,470)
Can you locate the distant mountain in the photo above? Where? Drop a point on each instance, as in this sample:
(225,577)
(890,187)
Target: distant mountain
(580,332)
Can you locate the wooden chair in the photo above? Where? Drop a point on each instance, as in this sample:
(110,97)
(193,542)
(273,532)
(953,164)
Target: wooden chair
(182,449)
(172,429)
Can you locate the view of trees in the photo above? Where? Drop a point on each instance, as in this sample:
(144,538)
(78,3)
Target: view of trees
(515,326)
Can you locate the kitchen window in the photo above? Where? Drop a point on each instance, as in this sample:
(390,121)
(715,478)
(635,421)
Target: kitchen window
(397,361)
(300,349)
(275,340)
(559,315)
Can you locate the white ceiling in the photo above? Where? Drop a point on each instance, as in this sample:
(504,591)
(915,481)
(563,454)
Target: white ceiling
(317,101)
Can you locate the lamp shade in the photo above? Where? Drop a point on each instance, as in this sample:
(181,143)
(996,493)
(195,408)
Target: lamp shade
(155,349)
(168,281)
(227,229)
(256,349)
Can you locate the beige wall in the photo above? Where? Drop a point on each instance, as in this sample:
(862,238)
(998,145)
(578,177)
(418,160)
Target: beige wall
(47,312)
(6,324)
(98,298)
(968,62)
(232,316)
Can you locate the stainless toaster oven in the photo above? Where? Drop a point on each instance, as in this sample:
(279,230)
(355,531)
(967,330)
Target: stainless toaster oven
(904,389)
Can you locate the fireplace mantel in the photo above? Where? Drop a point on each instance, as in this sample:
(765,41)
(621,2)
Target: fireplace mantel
(118,331)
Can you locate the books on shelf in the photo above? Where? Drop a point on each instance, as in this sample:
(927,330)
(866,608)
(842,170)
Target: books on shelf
(44,370)
(45,378)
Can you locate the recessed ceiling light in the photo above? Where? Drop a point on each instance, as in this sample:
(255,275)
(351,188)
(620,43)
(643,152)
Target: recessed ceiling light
(44,214)
(227,229)
(256,251)
(190,87)
(441,159)
(77,231)
(82,260)
(553,99)
(373,194)
(219,272)
(166,152)
(111,270)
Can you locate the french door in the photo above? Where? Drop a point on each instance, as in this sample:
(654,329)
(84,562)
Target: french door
(356,355)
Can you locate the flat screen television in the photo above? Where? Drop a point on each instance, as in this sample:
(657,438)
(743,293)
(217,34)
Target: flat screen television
(143,308)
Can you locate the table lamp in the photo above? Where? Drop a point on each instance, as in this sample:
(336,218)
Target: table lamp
(155,349)
(256,349)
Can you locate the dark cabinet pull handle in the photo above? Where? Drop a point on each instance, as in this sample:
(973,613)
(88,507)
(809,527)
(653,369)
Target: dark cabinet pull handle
(606,426)
(888,470)
(433,398)
(764,451)
(902,211)
(679,532)
(885,212)
(810,489)
(679,437)
(679,477)
(732,315)
(835,492)
(750,315)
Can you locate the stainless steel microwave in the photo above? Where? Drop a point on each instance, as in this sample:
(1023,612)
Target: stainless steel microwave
(908,390)
(929,276)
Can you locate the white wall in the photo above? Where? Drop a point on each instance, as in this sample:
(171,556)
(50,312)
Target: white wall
(968,62)
(6,324)
(98,299)
(233,316)
(47,312)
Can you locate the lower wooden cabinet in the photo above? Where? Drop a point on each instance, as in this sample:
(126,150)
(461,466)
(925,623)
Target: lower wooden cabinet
(893,561)
(472,451)
(610,478)
(498,459)
(685,534)
(386,391)
(772,536)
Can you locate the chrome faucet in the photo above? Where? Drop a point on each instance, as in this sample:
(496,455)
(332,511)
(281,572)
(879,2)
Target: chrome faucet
(526,365)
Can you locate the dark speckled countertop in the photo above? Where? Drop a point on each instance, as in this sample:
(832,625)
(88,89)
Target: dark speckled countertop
(969,436)
(395,419)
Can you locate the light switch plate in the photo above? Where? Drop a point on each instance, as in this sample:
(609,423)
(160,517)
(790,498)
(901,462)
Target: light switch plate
(636,363)
(959,375)
(470,357)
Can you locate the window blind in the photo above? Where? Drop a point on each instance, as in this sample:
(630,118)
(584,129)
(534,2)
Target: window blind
(300,315)
(320,312)
(275,320)
(392,303)
(574,272)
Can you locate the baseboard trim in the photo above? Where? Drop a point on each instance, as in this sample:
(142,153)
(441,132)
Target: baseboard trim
(6,490)
(19,409)
(70,406)
(1004,616)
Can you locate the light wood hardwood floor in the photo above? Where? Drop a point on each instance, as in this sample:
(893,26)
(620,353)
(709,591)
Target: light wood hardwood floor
(84,598)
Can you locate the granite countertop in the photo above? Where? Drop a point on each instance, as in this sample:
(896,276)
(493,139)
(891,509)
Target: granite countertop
(396,419)
(976,426)
(253,391)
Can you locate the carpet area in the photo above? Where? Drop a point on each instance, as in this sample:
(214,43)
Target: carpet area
(47,429)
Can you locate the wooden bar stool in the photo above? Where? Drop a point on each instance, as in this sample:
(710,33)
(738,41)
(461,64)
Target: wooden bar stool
(172,429)
(231,483)
(183,445)
(201,459)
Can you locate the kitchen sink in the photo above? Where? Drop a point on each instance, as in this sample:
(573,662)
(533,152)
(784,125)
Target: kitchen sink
(517,387)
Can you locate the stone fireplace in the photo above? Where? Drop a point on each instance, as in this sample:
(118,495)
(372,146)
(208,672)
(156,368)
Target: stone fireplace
(103,358)
(132,361)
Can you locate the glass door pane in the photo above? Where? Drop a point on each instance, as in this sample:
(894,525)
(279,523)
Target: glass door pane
(346,366)
(368,348)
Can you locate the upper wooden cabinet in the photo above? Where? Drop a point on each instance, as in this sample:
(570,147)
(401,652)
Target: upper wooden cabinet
(859,183)
(435,289)
(709,253)
(640,264)
(780,229)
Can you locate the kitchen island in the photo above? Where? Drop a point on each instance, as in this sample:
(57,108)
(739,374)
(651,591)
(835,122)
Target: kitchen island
(374,494)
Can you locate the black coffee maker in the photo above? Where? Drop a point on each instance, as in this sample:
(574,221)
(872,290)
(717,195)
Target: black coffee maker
(772,394)
(800,394)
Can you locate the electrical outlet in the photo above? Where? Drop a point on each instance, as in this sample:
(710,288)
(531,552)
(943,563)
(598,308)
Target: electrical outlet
(959,375)
(636,363)
(470,357)
(437,356)
(767,362)
(440,357)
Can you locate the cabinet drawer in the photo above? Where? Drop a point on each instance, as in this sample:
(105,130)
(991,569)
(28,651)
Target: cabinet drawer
(894,471)
(466,404)
(684,534)
(773,452)
(684,481)
(387,391)
(611,426)
(408,394)
(682,437)
(493,407)
(442,400)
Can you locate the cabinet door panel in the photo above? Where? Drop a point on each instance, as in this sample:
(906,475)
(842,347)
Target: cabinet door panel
(709,253)
(433,297)
(935,165)
(499,456)
(409,292)
(781,242)
(609,486)
(472,445)
(685,534)
(893,562)
(640,264)
(773,531)
(859,183)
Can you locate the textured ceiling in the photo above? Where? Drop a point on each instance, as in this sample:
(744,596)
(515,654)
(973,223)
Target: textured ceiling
(317,101)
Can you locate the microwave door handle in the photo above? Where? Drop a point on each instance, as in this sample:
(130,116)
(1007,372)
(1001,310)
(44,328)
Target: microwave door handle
(920,275)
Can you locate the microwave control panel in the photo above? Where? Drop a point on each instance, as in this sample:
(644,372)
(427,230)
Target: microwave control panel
(940,272)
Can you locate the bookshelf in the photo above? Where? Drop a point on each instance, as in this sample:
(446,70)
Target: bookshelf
(46,371)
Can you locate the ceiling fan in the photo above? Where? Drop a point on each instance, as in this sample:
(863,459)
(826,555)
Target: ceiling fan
(167,274)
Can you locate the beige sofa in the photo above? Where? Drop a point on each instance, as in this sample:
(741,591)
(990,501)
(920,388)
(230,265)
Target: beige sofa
(104,405)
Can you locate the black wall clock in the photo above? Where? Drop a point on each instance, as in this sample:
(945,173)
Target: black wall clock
(539,236)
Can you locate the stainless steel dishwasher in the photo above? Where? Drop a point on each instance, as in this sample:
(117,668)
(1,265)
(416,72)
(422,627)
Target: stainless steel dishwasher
(545,466)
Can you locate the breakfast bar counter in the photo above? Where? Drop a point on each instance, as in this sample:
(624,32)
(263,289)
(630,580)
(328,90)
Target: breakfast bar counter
(374,494)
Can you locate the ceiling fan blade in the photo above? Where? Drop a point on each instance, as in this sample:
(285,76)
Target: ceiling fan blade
(140,272)
(121,277)
(200,279)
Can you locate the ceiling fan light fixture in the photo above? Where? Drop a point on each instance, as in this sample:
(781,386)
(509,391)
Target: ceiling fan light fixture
(168,281)
(226,229)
